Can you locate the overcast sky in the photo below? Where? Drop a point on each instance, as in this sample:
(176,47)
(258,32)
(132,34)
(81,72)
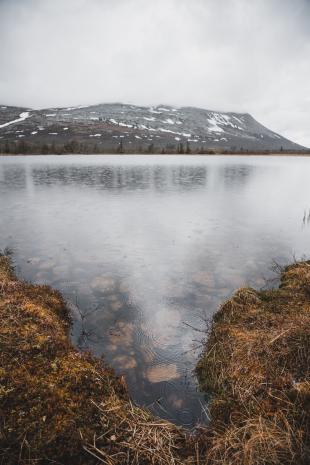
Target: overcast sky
(232,55)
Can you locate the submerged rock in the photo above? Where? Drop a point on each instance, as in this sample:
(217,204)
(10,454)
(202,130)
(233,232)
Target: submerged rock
(205,278)
(159,373)
(103,284)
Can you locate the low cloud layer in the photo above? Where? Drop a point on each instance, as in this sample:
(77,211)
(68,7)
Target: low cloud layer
(233,55)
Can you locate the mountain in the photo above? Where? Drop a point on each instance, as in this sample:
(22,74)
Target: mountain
(122,128)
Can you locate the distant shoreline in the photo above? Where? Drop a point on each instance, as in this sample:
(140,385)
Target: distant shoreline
(243,154)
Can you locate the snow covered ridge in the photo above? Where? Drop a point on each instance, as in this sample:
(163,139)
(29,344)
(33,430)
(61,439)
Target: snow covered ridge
(162,126)
(24,115)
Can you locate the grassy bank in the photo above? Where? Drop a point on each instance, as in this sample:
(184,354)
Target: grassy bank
(257,365)
(60,406)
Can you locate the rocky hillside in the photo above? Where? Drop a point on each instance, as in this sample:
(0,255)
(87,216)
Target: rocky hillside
(129,128)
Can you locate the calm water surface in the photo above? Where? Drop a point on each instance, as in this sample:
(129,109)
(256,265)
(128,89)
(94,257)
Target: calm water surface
(146,247)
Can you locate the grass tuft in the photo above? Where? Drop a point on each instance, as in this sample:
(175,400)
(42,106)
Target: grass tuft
(257,364)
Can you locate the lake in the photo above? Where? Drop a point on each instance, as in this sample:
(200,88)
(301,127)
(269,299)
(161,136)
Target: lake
(145,248)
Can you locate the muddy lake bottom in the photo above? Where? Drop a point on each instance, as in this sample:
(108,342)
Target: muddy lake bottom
(145,248)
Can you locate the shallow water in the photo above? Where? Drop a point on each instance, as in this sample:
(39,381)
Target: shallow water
(146,247)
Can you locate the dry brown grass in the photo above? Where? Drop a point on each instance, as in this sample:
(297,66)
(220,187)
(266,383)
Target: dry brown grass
(138,438)
(60,406)
(257,364)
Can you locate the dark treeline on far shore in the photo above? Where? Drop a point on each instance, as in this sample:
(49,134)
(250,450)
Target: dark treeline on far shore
(77,147)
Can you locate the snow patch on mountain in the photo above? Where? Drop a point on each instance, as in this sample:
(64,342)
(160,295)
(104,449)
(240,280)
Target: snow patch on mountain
(213,126)
(24,115)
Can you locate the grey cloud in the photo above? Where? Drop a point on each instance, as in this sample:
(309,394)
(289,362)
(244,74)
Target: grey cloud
(232,55)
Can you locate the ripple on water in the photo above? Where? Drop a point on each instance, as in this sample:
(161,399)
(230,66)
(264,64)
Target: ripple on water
(172,403)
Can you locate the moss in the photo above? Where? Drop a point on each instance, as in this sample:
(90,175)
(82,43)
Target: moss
(256,363)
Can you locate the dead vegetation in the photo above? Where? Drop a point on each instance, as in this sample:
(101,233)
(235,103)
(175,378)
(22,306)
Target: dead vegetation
(257,364)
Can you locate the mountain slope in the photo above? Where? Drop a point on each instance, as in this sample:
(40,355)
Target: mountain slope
(119,127)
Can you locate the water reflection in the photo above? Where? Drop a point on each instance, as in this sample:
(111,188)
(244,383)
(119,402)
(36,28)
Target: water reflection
(236,175)
(145,248)
(13,177)
(122,177)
